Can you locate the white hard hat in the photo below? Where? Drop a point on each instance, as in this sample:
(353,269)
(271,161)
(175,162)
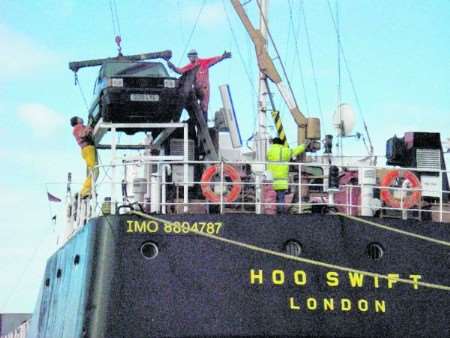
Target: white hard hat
(192,52)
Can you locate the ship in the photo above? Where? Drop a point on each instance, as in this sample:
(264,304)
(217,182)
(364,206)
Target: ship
(181,236)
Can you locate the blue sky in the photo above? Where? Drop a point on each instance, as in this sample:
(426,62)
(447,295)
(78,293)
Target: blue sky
(397,51)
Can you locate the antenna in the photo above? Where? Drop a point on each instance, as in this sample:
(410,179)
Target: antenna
(344,119)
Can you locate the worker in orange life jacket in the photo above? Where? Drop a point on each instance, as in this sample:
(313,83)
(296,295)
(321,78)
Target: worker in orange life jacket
(84,138)
(202,78)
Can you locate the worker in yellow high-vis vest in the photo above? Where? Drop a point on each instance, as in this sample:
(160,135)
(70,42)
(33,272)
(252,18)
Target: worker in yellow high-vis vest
(278,152)
(83,136)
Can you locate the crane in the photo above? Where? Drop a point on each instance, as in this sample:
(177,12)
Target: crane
(307,128)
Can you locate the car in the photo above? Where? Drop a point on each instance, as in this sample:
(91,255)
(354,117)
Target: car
(135,92)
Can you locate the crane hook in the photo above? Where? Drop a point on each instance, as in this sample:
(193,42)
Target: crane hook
(118,40)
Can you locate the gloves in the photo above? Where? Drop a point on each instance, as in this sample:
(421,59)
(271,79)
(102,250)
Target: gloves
(226,55)
(308,145)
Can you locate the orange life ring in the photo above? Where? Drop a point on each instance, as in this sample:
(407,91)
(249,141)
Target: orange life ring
(387,196)
(229,171)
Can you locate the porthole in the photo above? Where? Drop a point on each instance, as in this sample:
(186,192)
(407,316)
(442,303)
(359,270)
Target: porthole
(149,250)
(293,248)
(375,251)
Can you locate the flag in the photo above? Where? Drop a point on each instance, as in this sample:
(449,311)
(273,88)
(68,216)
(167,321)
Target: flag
(52,198)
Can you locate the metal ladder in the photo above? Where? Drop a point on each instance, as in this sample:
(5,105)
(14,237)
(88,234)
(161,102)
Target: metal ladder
(190,103)
(196,114)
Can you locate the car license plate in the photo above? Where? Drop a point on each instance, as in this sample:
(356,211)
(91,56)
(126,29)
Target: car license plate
(144,97)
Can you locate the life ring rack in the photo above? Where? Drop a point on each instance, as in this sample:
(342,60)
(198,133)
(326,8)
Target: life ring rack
(409,200)
(228,170)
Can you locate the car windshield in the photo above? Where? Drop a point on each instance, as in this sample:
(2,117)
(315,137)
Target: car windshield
(134,69)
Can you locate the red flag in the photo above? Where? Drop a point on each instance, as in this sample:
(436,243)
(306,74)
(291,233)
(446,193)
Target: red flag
(52,198)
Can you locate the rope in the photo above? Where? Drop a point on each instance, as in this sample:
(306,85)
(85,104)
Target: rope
(180,21)
(276,51)
(244,65)
(338,42)
(339,75)
(78,84)
(311,59)
(298,259)
(192,31)
(117,17)
(27,266)
(347,68)
(239,50)
(388,228)
(286,54)
(114,17)
(50,210)
(299,60)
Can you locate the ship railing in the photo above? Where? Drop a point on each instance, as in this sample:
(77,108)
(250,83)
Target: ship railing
(304,195)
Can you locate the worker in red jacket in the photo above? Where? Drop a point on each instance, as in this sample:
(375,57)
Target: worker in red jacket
(84,138)
(202,79)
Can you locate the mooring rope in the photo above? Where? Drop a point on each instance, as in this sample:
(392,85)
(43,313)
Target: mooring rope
(297,259)
(388,228)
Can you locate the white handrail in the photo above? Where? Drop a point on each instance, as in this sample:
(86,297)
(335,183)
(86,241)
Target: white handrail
(343,199)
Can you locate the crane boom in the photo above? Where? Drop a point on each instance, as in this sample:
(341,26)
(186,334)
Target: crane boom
(75,66)
(267,67)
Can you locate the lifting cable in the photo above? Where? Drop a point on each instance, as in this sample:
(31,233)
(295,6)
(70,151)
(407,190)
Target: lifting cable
(116,25)
(116,29)
(295,258)
(115,17)
(192,31)
(358,103)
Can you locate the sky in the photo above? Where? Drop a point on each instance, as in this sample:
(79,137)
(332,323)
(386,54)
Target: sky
(397,53)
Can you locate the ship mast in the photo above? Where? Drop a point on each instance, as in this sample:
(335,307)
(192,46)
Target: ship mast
(266,66)
(261,128)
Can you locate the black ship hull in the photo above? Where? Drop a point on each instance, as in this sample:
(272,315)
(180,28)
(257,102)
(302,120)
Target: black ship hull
(105,283)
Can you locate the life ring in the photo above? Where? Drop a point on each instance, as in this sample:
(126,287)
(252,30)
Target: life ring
(229,171)
(409,200)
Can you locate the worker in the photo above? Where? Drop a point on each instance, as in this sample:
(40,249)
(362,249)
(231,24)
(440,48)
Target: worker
(279,152)
(84,138)
(202,78)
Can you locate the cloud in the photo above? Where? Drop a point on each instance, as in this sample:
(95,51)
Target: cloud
(41,119)
(20,55)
